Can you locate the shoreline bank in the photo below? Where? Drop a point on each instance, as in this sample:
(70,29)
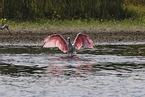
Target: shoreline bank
(96,34)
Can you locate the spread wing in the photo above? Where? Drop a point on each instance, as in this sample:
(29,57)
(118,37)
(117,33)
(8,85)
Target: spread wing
(56,40)
(83,40)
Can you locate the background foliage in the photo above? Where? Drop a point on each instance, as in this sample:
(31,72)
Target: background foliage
(70,9)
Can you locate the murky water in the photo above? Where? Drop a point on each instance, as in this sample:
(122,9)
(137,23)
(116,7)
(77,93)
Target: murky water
(110,69)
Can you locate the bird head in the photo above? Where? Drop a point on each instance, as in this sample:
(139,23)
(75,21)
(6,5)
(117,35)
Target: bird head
(68,38)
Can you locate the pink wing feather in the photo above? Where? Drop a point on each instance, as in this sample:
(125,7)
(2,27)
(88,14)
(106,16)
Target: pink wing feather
(56,40)
(83,40)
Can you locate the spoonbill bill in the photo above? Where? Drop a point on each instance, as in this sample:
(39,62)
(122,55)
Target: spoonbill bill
(56,40)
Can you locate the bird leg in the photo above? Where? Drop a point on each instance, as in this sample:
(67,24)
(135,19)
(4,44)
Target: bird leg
(9,31)
(70,54)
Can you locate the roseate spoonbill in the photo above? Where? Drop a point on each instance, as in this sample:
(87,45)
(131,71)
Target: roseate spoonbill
(56,40)
(5,26)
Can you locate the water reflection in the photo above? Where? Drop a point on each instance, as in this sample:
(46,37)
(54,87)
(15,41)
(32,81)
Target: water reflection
(33,59)
(81,70)
(106,70)
(19,70)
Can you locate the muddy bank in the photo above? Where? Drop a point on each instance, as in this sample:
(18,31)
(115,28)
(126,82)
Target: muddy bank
(96,34)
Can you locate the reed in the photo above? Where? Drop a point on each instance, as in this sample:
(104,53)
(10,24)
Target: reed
(67,9)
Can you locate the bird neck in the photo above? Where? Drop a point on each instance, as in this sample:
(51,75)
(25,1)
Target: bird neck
(69,42)
(5,26)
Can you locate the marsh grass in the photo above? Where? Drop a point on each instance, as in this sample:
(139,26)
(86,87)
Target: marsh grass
(47,24)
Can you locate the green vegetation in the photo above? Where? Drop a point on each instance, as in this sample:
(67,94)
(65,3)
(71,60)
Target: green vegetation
(117,24)
(117,14)
(61,9)
(70,9)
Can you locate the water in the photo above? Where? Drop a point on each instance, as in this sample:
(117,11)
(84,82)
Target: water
(108,70)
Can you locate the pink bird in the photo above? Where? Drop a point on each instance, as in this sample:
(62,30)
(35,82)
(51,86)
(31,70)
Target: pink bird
(56,40)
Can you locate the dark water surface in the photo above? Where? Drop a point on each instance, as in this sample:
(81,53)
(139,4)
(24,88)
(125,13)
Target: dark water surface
(108,70)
